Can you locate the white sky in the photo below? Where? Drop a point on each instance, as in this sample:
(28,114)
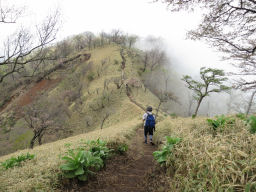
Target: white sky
(140,17)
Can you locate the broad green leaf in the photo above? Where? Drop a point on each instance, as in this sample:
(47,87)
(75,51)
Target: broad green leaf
(82,177)
(79,171)
(69,167)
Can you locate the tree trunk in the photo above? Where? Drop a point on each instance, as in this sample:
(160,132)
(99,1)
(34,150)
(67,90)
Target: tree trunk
(102,123)
(40,139)
(32,142)
(250,103)
(198,104)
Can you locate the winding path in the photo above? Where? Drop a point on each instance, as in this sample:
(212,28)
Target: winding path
(128,173)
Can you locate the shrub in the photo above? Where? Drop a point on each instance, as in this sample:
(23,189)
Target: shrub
(220,122)
(80,164)
(162,156)
(173,115)
(118,147)
(251,121)
(87,158)
(91,76)
(16,161)
(99,148)
(241,116)
(116,62)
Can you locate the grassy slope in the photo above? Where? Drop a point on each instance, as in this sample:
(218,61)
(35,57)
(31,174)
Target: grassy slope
(202,162)
(42,172)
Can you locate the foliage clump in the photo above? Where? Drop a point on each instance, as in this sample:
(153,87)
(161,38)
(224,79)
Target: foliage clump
(220,122)
(252,124)
(88,158)
(162,155)
(16,161)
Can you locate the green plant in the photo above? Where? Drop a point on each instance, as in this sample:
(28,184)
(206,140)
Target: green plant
(162,155)
(251,121)
(220,122)
(241,116)
(118,147)
(116,62)
(99,148)
(16,161)
(122,148)
(173,115)
(80,164)
(91,76)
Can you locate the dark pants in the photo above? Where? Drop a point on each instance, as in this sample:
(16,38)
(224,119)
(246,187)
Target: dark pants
(150,131)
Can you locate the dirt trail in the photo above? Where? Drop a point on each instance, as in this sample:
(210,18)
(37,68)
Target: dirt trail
(128,173)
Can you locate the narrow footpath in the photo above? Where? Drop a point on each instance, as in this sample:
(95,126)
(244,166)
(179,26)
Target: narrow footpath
(125,173)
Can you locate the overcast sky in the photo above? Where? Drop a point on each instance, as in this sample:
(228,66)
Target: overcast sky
(140,17)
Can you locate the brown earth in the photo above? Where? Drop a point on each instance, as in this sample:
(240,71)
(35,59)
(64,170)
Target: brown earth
(128,173)
(30,95)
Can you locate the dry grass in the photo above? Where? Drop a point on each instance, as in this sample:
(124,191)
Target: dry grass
(202,162)
(41,174)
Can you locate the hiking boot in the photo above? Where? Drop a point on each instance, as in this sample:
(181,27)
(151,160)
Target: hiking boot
(152,143)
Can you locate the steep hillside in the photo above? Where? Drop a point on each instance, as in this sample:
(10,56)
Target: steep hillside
(110,107)
(87,87)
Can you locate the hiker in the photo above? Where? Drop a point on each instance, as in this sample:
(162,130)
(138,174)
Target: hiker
(149,124)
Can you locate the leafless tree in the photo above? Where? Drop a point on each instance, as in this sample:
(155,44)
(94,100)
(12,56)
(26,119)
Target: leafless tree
(79,42)
(156,57)
(105,116)
(24,48)
(122,63)
(63,49)
(10,14)
(89,38)
(131,40)
(45,116)
(103,37)
(115,34)
(164,96)
(230,27)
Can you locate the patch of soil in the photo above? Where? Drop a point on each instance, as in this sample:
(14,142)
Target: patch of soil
(123,173)
(30,95)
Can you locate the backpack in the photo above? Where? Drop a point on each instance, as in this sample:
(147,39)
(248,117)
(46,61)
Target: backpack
(150,121)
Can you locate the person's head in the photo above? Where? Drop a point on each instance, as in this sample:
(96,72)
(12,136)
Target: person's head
(149,109)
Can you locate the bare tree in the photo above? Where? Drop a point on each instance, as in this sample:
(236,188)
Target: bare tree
(9,14)
(164,96)
(45,116)
(89,38)
(115,34)
(230,27)
(106,115)
(24,47)
(122,63)
(79,42)
(63,49)
(103,37)
(132,40)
